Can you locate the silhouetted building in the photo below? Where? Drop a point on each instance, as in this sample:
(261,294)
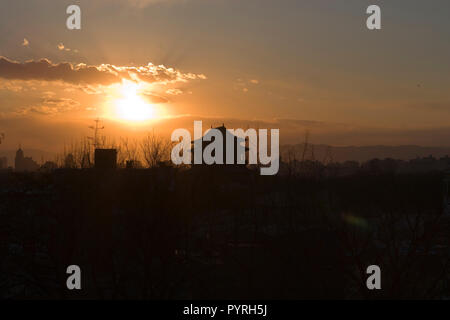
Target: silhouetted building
(23,163)
(3,163)
(226,136)
(105,158)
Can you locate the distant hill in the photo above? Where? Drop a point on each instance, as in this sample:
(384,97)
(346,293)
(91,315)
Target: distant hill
(364,153)
(39,156)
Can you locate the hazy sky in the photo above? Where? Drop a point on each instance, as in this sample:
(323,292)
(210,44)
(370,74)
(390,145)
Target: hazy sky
(294,65)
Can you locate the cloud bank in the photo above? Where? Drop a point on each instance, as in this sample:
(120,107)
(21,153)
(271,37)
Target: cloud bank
(82,74)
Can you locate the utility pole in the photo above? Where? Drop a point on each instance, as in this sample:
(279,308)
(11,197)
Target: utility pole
(96,128)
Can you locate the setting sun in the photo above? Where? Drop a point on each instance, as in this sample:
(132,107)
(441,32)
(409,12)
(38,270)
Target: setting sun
(131,106)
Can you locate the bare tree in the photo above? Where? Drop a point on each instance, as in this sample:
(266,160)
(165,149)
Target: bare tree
(80,153)
(305,145)
(155,149)
(130,148)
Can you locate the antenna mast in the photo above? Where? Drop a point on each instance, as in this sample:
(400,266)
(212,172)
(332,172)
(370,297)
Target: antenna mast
(96,128)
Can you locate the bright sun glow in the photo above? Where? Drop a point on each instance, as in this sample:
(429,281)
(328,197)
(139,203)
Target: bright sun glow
(131,105)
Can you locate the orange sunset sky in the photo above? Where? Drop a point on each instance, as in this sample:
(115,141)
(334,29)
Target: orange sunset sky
(161,64)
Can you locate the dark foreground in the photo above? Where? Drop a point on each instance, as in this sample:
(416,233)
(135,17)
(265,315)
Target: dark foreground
(168,234)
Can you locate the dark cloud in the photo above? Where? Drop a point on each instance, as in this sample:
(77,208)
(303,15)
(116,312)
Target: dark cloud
(82,74)
(50,106)
(45,70)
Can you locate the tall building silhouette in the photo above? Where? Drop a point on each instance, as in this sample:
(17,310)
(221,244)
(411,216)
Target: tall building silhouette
(23,163)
